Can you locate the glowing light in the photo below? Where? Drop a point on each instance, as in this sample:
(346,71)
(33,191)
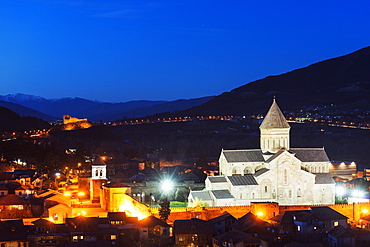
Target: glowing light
(339,190)
(259,214)
(81,193)
(365,211)
(57,174)
(130,210)
(167,185)
(67,194)
(357,193)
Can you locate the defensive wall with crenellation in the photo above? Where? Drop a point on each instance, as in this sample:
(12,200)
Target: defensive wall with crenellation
(265,210)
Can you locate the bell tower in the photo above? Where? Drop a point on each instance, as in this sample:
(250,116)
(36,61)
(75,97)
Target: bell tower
(274,131)
(98,178)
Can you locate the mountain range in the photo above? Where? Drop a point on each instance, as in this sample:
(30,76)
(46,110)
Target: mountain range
(53,109)
(342,83)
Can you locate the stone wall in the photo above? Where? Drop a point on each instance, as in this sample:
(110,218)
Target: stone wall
(264,210)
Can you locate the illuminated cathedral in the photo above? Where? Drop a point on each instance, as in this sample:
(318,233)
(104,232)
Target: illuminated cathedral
(273,173)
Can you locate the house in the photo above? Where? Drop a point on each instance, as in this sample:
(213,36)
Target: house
(340,236)
(195,232)
(154,231)
(13,233)
(251,224)
(112,195)
(223,223)
(236,238)
(13,206)
(330,217)
(45,233)
(365,222)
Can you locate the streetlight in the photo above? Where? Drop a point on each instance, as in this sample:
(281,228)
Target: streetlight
(80,194)
(57,176)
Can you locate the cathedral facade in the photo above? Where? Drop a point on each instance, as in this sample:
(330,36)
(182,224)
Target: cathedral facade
(273,173)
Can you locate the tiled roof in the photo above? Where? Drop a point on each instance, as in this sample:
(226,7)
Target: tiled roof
(222,194)
(12,230)
(202,195)
(11,199)
(42,222)
(117,216)
(277,154)
(217,179)
(98,161)
(260,172)
(323,178)
(245,155)
(274,118)
(152,221)
(115,185)
(327,213)
(237,180)
(310,154)
(192,226)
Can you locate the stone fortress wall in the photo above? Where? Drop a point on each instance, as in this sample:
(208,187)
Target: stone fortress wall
(264,210)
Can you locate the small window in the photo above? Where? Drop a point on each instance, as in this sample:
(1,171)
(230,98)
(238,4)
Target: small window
(265,189)
(113,237)
(336,223)
(299,228)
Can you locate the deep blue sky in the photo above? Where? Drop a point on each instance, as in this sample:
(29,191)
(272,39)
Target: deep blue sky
(118,51)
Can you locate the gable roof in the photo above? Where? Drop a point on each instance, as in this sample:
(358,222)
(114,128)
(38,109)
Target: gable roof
(115,185)
(260,172)
(152,221)
(202,195)
(225,215)
(323,178)
(117,216)
(341,232)
(310,154)
(327,213)
(245,155)
(192,226)
(222,194)
(239,180)
(42,222)
(274,118)
(217,179)
(12,199)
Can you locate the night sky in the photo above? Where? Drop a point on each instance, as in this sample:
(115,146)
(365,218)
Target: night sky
(118,51)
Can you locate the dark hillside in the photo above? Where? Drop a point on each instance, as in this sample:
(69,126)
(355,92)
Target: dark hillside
(12,122)
(343,81)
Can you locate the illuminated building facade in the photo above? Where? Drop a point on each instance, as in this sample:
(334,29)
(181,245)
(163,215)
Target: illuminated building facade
(275,172)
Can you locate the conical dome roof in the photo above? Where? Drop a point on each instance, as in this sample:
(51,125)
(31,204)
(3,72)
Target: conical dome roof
(274,118)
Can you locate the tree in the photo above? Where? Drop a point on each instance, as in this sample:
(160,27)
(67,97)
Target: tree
(164,211)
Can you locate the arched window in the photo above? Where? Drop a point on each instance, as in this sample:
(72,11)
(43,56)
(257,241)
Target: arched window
(96,173)
(101,173)
(285,177)
(299,192)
